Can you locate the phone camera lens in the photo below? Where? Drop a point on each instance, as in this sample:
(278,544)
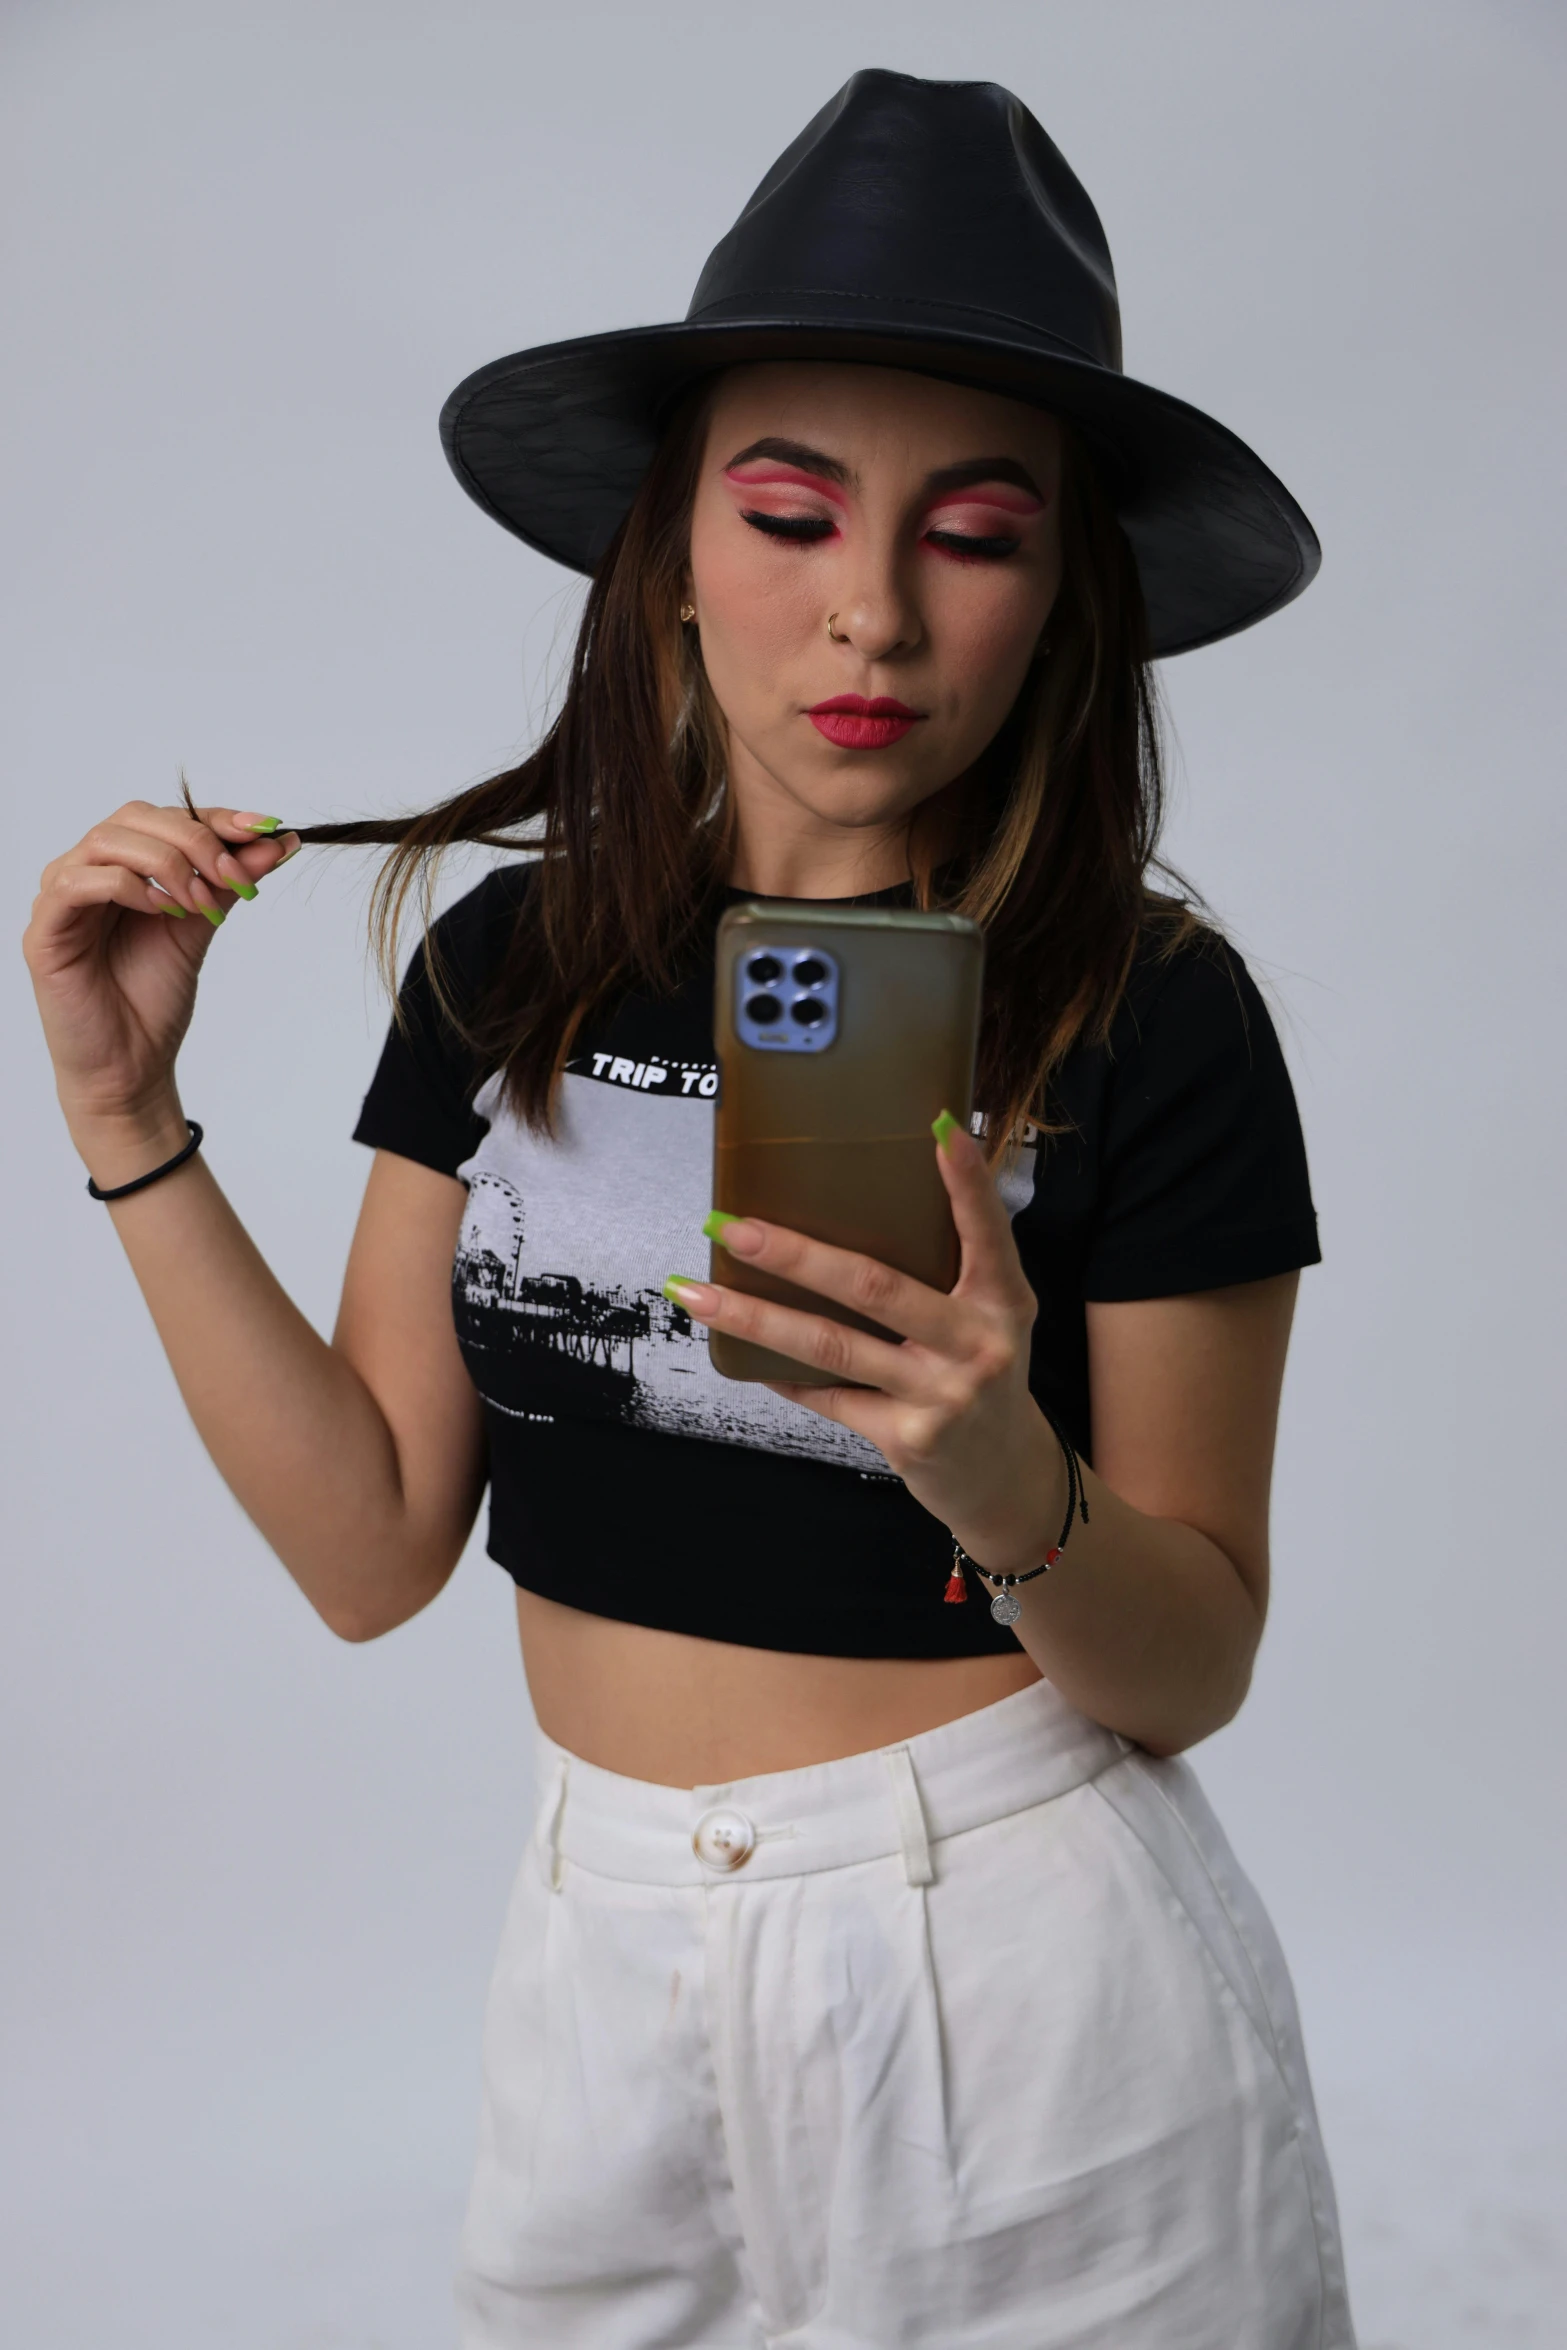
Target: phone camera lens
(764,1010)
(764,971)
(809,1012)
(810,971)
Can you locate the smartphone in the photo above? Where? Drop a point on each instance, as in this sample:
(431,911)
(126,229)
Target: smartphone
(842,1034)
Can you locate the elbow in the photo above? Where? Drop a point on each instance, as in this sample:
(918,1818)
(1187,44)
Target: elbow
(1216,1713)
(356,1624)
(382,1576)
(1211,1709)
(362,1616)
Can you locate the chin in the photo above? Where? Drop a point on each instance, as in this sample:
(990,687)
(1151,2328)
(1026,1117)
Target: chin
(863,804)
(860,788)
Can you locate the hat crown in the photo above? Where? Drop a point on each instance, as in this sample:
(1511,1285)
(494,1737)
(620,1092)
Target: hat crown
(948,197)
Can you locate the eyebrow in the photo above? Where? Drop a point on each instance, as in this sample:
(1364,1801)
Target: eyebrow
(980,469)
(950,477)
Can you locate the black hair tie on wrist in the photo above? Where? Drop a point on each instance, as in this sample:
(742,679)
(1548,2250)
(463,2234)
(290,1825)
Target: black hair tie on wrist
(156,1175)
(1005,1605)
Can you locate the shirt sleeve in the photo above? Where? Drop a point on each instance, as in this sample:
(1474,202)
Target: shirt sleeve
(420,1102)
(1203,1177)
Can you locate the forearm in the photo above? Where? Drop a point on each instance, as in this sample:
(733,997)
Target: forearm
(1143,1623)
(1147,1622)
(290,1423)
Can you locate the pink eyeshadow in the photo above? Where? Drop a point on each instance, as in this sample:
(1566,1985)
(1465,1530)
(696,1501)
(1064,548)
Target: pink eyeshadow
(786,477)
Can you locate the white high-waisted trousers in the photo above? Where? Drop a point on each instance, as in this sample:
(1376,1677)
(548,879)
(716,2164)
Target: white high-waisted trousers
(981,2040)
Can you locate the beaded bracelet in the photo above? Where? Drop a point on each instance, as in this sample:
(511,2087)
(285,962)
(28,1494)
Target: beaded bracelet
(1005,1606)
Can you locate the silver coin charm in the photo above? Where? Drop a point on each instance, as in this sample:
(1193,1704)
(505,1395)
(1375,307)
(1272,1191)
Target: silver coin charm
(1006,1607)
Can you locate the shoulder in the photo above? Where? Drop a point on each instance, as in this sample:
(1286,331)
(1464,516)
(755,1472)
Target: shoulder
(457,956)
(1189,1014)
(470,938)
(1189,998)
(421,1100)
(1201,1163)
(1192,1045)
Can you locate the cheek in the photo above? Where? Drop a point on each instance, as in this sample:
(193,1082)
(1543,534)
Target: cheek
(757,610)
(990,626)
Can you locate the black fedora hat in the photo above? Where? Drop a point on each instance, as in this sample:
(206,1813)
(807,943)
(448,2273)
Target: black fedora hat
(926,225)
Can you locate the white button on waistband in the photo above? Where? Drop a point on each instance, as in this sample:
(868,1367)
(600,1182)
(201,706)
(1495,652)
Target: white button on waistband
(723,1840)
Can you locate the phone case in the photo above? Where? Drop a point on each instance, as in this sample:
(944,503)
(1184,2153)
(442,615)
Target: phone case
(830,1133)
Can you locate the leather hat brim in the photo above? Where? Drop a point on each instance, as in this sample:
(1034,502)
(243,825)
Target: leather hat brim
(552,443)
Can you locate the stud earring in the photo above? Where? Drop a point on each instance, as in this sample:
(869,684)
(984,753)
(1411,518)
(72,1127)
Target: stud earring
(687,612)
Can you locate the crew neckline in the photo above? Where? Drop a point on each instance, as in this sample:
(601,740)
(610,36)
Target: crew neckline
(899,893)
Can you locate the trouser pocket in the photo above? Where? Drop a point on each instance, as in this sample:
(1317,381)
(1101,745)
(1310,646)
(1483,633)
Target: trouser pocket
(1124,2142)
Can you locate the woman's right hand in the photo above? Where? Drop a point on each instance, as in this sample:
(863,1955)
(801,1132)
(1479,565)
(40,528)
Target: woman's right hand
(119,931)
(362,1460)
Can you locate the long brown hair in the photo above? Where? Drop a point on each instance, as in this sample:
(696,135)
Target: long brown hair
(624,806)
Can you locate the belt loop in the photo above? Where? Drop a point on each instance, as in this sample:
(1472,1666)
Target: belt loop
(552,1864)
(911,1815)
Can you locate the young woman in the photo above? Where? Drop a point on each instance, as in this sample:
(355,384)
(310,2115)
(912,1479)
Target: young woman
(875,1976)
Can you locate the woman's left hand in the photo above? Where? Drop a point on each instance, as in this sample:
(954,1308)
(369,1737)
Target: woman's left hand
(949,1408)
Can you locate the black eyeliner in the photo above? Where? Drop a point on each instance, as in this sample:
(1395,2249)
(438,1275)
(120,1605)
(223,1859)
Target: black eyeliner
(989,550)
(804,529)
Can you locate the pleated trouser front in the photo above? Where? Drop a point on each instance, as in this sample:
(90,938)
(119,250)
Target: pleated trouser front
(983,2040)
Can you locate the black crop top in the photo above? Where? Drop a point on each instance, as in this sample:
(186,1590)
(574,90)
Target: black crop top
(626,1476)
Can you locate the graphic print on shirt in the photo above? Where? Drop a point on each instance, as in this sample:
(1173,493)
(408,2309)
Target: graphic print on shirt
(564,1249)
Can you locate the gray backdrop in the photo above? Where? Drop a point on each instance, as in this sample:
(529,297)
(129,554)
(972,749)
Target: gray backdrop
(253,1877)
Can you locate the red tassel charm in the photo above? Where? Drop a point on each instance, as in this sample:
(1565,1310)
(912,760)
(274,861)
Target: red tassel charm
(956,1589)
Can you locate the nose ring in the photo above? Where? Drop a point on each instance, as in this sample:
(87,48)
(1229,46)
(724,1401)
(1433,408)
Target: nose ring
(832,632)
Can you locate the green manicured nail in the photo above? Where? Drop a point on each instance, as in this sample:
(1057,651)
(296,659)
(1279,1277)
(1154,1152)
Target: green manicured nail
(713,1224)
(171,906)
(243,889)
(943,1126)
(263,823)
(676,1283)
(213,916)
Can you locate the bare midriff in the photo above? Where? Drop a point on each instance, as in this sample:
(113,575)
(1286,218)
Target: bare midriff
(685,1712)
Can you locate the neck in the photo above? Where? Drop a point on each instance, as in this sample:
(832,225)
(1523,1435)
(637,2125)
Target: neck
(850,865)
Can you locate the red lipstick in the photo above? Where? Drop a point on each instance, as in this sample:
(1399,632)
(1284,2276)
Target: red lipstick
(855,724)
